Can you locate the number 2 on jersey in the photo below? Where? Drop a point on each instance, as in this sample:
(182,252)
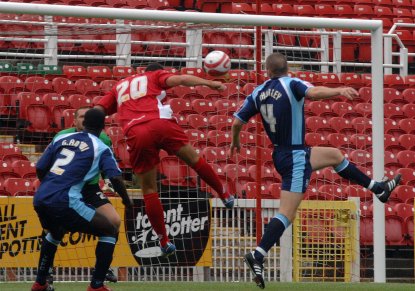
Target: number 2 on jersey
(138,89)
(267,112)
(68,157)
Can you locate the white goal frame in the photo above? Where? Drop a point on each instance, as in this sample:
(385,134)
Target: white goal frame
(373,26)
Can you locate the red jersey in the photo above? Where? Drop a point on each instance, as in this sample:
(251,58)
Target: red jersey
(138,98)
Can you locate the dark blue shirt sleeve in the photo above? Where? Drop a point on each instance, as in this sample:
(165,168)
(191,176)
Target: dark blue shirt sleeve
(299,88)
(108,165)
(247,110)
(46,160)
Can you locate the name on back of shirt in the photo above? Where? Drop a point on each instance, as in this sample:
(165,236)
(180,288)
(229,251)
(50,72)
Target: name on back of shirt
(270,93)
(83,146)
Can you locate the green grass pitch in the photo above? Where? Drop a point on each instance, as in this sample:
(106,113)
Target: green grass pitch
(191,286)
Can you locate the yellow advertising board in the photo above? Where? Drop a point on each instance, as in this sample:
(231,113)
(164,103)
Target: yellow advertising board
(21,234)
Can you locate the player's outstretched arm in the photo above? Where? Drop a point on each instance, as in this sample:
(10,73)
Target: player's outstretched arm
(236,130)
(119,187)
(321,92)
(189,80)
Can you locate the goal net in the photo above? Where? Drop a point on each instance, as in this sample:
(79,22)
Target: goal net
(52,65)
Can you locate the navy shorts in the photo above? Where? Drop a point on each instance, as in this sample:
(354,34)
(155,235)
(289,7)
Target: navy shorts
(59,220)
(93,195)
(293,164)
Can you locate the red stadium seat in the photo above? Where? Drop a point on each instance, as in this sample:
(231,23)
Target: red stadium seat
(366,225)
(219,138)
(408,176)
(181,106)
(215,155)
(364,11)
(361,158)
(307,76)
(75,72)
(394,227)
(305,10)
(320,108)
(275,190)
(315,139)
(391,161)
(402,12)
(337,140)
(351,79)
(77,101)
(107,85)
(24,169)
(176,172)
(39,118)
(224,106)
(361,141)
(68,117)
(197,138)
(220,122)
(328,79)
(394,96)
(393,111)
(197,121)
(38,85)
(121,72)
(267,174)
(198,72)
(392,144)
(24,99)
(344,109)
(358,191)
(409,81)
(362,125)
(237,8)
(394,81)
(186,92)
(407,141)
(407,125)
(115,133)
(365,93)
(364,109)
(237,172)
(99,73)
(64,86)
(317,124)
(87,87)
(250,190)
(325,10)
(217,38)
(341,125)
(207,93)
(344,11)
(409,110)
(406,158)
(406,193)
(11,85)
(246,157)
(57,104)
(121,152)
(242,39)
(392,127)
(18,187)
(331,192)
(240,77)
(203,107)
(283,9)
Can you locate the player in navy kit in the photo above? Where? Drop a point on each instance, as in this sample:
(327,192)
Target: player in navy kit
(68,163)
(280,101)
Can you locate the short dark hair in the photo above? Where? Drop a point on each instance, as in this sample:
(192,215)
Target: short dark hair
(277,64)
(94,120)
(154,67)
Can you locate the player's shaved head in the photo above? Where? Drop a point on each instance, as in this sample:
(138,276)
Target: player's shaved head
(94,121)
(154,67)
(276,65)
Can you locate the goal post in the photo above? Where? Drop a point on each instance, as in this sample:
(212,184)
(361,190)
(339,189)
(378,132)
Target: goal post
(193,58)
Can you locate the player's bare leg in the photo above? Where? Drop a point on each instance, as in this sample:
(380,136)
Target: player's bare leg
(188,154)
(322,157)
(154,209)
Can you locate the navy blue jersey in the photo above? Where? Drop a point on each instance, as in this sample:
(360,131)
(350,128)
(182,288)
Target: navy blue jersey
(281,104)
(72,160)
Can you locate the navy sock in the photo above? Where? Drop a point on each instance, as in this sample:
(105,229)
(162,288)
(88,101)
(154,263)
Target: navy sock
(47,255)
(103,252)
(274,231)
(350,172)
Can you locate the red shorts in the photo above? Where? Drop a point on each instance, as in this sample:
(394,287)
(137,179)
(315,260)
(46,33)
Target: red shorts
(145,140)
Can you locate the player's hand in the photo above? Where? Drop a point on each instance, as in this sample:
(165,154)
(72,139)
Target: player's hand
(108,186)
(349,93)
(235,146)
(216,85)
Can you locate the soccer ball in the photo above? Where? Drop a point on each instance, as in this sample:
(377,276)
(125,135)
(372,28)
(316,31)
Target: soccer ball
(217,63)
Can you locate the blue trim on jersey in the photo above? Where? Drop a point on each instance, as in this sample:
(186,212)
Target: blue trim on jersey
(298,171)
(107,239)
(296,113)
(77,204)
(283,219)
(343,165)
(50,239)
(240,118)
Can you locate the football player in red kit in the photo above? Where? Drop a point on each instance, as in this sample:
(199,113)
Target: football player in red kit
(149,126)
